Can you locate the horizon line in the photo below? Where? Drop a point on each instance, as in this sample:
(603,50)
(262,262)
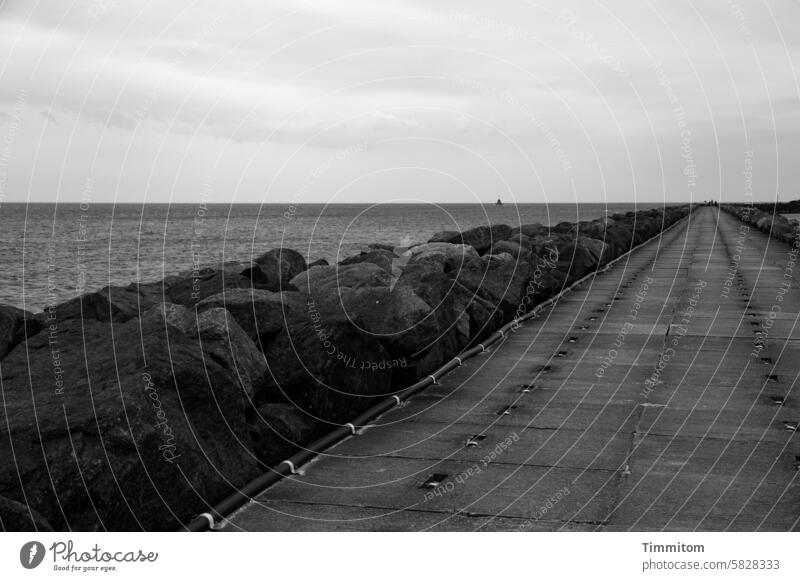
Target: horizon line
(289,203)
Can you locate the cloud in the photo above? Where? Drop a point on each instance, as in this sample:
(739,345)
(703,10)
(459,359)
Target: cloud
(296,79)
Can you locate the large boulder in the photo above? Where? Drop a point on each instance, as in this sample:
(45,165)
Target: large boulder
(421,307)
(175,393)
(381,246)
(515,248)
(425,318)
(282,264)
(443,255)
(112,303)
(530,230)
(577,256)
(191,287)
(18,517)
(379,257)
(262,314)
(484,316)
(365,331)
(405,321)
(15,326)
(328,279)
(325,360)
(139,429)
(480,238)
(330,370)
(789,234)
(560,228)
(546,278)
(282,429)
(616,235)
(123,303)
(764,223)
(647,224)
(446,237)
(345,294)
(220,337)
(768,219)
(590,254)
(500,279)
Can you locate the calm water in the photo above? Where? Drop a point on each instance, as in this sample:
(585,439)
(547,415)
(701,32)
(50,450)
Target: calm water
(50,252)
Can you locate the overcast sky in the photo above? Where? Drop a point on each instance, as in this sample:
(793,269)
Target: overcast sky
(374,100)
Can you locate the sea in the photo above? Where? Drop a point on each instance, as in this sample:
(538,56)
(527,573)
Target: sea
(53,252)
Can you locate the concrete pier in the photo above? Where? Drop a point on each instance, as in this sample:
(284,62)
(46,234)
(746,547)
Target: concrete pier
(659,395)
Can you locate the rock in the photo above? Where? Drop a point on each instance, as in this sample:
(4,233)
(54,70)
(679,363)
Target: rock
(221,338)
(120,304)
(560,228)
(16,517)
(649,223)
(775,225)
(15,326)
(425,319)
(484,317)
(764,223)
(405,321)
(446,256)
(280,431)
(382,258)
(512,248)
(263,278)
(140,429)
(446,236)
(380,246)
(261,314)
(595,249)
(792,238)
(645,227)
(282,264)
(530,230)
(112,303)
(326,369)
(577,257)
(480,238)
(345,294)
(524,241)
(778,225)
(501,257)
(229,346)
(590,254)
(500,280)
(328,279)
(125,420)
(320,262)
(191,287)
(404,327)
(329,358)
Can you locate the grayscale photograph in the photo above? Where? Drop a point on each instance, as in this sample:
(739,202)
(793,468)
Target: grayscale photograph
(398,266)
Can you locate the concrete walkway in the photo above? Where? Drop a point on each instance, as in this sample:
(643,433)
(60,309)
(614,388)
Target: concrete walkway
(645,400)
